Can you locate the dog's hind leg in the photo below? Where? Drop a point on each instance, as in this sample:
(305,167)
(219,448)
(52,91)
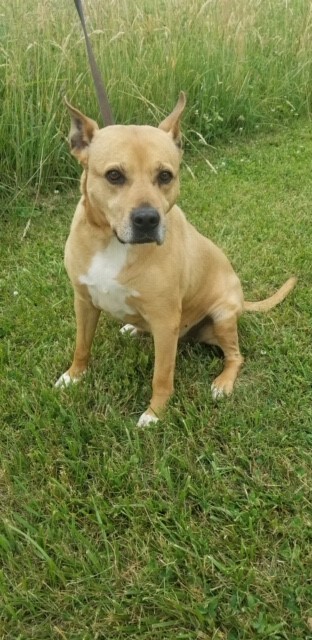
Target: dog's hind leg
(223,334)
(86,318)
(129,328)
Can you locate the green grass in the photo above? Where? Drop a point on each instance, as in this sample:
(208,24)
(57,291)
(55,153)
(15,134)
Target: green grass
(197,528)
(246,66)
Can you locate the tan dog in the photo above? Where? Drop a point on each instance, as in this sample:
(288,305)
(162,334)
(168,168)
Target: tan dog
(132,253)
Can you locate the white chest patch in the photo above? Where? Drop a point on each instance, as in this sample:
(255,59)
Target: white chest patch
(101,279)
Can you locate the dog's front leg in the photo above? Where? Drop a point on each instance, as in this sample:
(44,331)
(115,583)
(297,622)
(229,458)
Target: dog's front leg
(165,343)
(86,319)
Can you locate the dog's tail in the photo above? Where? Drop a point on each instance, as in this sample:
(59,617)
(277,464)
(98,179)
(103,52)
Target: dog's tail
(278,296)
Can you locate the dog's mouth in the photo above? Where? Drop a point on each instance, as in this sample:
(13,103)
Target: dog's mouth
(144,226)
(142,240)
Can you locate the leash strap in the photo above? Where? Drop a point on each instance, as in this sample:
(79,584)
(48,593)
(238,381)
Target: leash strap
(99,86)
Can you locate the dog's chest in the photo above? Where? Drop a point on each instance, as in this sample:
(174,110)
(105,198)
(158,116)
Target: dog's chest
(101,279)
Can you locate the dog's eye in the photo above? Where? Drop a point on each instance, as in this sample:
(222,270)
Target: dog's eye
(115,177)
(164,177)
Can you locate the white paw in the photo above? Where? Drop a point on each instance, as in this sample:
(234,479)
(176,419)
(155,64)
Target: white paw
(65,380)
(129,328)
(145,419)
(217,392)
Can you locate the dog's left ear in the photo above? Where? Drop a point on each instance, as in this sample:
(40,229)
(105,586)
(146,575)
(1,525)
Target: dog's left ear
(81,133)
(171,124)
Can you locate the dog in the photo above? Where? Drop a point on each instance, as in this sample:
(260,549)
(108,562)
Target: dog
(132,253)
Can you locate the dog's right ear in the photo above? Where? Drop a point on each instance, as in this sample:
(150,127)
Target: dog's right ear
(81,133)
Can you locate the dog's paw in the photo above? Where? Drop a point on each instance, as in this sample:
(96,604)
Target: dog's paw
(146,419)
(221,387)
(216,393)
(129,328)
(65,380)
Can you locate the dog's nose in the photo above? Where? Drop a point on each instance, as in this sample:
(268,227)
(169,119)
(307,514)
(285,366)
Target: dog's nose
(145,219)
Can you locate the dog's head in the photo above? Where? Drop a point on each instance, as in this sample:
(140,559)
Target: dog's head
(132,173)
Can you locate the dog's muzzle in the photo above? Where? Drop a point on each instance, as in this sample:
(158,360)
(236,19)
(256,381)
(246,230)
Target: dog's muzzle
(146,226)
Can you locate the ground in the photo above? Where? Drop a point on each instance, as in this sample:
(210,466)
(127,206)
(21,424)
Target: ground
(198,527)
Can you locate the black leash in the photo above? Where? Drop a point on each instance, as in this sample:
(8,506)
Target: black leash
(99,86)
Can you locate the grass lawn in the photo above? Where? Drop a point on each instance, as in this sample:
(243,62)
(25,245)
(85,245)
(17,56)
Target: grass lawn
(196,528)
